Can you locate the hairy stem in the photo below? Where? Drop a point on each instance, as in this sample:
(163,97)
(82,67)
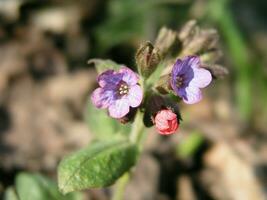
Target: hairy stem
(120,187)
(137,128)
(136,138)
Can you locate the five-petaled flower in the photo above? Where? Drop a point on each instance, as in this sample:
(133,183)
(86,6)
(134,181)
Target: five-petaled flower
(187,77)
(118,92)
(166,122)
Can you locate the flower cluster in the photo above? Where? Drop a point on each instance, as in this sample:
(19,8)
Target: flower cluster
(172,70)
(121,91)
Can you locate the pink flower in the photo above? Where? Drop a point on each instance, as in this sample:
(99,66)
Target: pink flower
(118,92)
(166,122)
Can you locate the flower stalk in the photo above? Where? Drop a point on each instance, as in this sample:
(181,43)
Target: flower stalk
(120,187)
(137,129)
(176,68)
(136,136)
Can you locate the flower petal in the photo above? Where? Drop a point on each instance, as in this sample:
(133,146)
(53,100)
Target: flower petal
(163,132)
(135,96)
(102,98)
(192,95)
(173,125)
(119,108)
(161,123)
(202,78)
(182,68)
(109,78)
(177,67)
(129,76)
(175,72)
(193,61)
(171,116)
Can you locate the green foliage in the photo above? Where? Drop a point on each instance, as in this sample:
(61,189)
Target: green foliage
(98,165)
(10,194)
(102,65)
(34,186)
(102,126)
(189,146)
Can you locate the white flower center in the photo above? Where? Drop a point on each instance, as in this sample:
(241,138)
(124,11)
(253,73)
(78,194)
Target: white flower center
(179,81)
(123,89)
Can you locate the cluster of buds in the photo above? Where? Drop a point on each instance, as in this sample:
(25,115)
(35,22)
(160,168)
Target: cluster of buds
(187,60)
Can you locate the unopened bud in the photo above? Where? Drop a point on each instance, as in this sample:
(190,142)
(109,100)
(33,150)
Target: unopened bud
(166,39)
(154,104)
(217,71)
(166,122)
(147,59)
(205,40)
(163,85)
(211,56)
(188,30)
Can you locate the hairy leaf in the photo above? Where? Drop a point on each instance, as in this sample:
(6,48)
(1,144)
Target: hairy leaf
(37,187)
(103,126)
(102,65)
(10,194)
(99,165)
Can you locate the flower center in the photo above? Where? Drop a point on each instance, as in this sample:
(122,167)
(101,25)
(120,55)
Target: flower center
(179,81)
(123,89)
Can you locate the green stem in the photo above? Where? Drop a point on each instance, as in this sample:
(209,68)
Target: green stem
(138,125)
(137,128)
(120,187)
(136,138)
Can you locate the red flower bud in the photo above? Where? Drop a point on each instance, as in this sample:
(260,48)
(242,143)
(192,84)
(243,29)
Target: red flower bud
(166,122)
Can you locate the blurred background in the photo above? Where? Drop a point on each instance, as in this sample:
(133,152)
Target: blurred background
(220,151)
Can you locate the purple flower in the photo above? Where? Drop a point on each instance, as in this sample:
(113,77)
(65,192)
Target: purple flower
(187,77)
(118,92)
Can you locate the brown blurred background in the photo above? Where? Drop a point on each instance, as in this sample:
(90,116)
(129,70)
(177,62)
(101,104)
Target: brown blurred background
(220,151)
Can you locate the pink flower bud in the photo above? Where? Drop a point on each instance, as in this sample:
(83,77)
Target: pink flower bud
(166,122)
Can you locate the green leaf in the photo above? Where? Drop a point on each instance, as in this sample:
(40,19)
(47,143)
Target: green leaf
(10,194)
(103,126)
(99,165)
(103,65)
(37,187)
